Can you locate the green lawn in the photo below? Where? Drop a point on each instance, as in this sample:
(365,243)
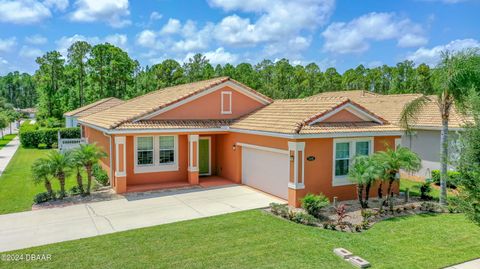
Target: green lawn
(254,239)
(414,187)
(6,139)
(16,187)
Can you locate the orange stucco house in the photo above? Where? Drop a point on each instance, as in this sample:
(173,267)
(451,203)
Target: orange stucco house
(181,135)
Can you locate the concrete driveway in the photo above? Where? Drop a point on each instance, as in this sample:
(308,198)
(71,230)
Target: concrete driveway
(34,228)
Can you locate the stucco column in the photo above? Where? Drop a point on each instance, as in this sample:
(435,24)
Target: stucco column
(296,184)
(193,159)
(120,164)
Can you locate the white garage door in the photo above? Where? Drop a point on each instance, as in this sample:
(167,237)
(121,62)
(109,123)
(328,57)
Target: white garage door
(266,170)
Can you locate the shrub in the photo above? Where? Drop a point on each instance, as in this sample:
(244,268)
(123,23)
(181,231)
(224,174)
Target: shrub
(314,203)
(279,209)
(367,215)
(425,190)
(42,198)
(75,190)
(304,218)
(454,204)
(452,181)
(100,175)
(33,137)
(42,146)
(51,123)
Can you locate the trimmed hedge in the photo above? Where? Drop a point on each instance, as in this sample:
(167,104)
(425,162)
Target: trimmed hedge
(31,138)
(452,181)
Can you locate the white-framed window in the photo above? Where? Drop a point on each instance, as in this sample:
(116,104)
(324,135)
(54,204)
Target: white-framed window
(167,149)
(344,151)
(145,150)
(156,153)
(226,102)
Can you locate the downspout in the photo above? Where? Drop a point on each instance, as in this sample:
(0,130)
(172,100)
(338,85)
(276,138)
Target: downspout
(110,158)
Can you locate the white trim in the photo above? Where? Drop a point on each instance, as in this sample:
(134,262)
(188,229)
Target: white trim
(281,151)
(433,128)
(398,142)
(191,139)
(343,180)
(156,166)
(120,140)
(229,93)
(352,109)
(209,138)
(297,186)
(297,147)
(230,84)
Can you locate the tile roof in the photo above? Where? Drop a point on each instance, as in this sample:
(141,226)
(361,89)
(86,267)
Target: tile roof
(173,124)
(143,105)
(292,117)
(94,107)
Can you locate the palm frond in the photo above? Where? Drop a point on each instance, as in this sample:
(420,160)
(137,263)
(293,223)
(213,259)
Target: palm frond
(410,112)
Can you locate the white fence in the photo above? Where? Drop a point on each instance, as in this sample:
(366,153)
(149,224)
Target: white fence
(68,144)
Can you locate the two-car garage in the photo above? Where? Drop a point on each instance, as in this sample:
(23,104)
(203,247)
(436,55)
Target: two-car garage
(266,169)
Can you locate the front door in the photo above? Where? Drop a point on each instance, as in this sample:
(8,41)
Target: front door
(204,156)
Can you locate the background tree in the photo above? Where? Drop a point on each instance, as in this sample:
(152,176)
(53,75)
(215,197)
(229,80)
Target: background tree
(455,77)
(3,122)
(78,54)
(49,79)
(198,68)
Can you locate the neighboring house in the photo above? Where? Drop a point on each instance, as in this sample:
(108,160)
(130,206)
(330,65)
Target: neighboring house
(425,136)
(177,135)
(71,117)
(31,112)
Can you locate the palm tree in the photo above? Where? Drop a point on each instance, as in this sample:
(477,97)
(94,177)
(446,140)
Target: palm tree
(60,164)
(41,173)
(364,172)
(455,76)
(89,155)
(77,163)
(395,160)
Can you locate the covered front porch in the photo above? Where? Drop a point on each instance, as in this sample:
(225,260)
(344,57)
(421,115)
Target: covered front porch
(171,161)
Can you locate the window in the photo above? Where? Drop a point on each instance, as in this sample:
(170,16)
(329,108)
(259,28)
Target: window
(226,103)
(145,150)
(342,159)
(155,154)
(344,152)
(167,149)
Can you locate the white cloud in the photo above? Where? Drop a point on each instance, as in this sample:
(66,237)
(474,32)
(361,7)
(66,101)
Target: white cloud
(7,44)
(148,39)
(279,20)
(66,41)
(218,56)
(60,5)
(23,11)
(36,39)
(432,56)
(355,36)
(29,52)
(173,26)
(110,11)
(155,16)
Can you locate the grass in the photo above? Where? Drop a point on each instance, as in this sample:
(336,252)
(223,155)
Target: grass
(255,239)
(414,188)
(6,139)
(16,186)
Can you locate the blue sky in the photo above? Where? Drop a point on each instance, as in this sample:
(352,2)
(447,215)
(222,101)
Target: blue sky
(342,33)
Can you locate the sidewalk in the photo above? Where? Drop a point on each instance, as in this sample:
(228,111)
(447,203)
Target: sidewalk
(475,264)
(7,152)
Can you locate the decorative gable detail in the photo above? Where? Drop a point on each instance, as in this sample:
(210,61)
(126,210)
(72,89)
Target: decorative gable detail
(347,111)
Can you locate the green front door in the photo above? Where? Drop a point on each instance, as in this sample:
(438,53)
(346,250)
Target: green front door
(204,156)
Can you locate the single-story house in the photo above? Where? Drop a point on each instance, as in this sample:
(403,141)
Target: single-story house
(71,117)
(184,134)
(424,138)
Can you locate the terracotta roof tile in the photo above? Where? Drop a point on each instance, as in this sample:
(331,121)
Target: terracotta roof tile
(174,124)
(95,107)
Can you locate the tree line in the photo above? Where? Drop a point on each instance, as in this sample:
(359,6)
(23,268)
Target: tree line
(88,73)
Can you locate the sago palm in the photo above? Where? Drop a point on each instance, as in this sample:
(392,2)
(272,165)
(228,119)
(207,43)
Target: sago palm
(60,165)
(41,173)
(455,76)
(395,160)
(364,172)
(77,163)
(89,155)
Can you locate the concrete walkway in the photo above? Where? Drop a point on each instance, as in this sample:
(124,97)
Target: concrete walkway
(34,228)
(7,152)
(475,264)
